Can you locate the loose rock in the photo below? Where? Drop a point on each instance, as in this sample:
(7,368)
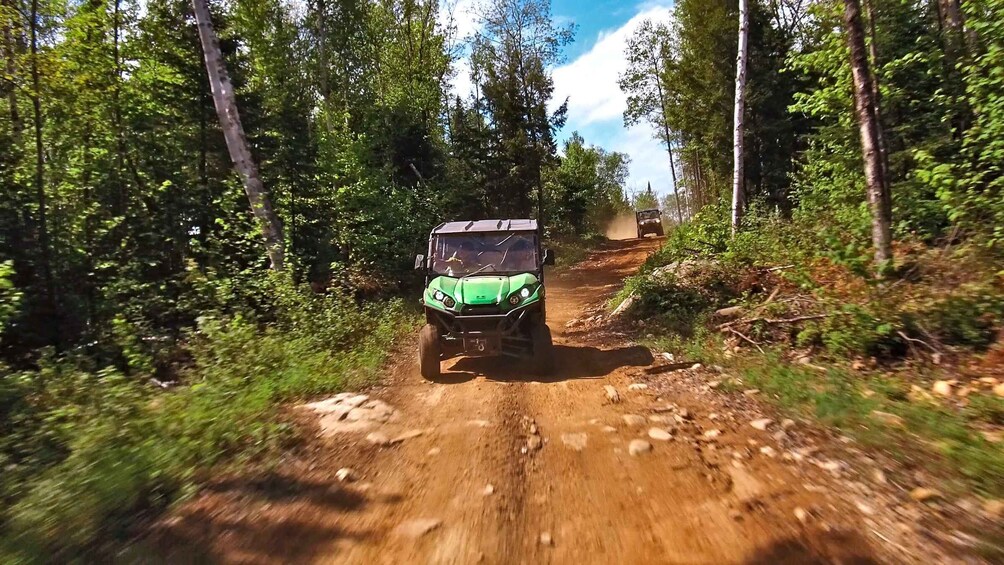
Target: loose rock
(999,390)
(922,494)
(712,434)
(414,529)
(994,508)
(488,490)
(768,451)
(633,420)
(942,388)
(751,391)
(410,434)
(762,424)
(545,539)
(612,394)
(575,442)
(637,386)
(659,434)
(533,443)
(787,424)
(345,475)
(801,514)
(638,447)
(377,438)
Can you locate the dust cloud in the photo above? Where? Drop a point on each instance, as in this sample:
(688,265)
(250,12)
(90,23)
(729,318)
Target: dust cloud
(624,226)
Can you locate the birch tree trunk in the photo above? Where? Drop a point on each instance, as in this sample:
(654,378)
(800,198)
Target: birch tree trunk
(879,199)
(738,178)
(233,132)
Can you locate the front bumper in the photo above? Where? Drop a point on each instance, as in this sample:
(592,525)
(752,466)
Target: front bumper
(485,330)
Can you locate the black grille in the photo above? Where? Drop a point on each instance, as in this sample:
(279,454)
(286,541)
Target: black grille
(480,311)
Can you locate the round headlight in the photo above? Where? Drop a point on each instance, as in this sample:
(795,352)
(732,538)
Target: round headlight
(524,292)
(449,302)
(514,299)
(439,295)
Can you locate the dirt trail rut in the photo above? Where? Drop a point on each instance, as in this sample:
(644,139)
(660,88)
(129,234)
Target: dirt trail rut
(511,468)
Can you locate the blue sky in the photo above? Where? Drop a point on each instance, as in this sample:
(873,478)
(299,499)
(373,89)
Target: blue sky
(588,77)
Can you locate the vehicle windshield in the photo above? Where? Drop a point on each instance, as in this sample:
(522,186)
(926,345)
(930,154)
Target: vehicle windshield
(648,215)
(456,255)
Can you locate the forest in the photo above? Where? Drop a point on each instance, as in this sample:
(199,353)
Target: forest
(153,321)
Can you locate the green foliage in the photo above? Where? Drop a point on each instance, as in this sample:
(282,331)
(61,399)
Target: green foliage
(85,451)
(586,190)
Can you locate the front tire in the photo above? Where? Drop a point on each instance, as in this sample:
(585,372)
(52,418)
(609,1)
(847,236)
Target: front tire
(543,350)
(429,351)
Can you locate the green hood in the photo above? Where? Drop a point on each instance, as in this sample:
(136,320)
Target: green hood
(481,289)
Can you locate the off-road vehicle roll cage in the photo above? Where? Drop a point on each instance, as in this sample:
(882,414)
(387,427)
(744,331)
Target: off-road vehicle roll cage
(484,293)
(649,221)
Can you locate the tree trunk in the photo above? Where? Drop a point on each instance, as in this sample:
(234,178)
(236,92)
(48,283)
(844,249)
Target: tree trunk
(10,50)
(879,198)
(876,90)
(40,196)
(233,132)
(738,176)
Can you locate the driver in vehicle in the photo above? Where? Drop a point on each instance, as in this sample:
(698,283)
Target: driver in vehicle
(520,256)
(464,258)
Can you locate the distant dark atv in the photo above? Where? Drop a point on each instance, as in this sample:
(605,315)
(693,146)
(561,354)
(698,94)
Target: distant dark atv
(649,221)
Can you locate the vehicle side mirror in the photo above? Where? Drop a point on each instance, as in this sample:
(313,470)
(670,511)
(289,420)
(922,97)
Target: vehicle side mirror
(548,257)
(419,262)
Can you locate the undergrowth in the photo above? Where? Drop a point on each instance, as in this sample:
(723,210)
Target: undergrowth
(780,293)
(88,450)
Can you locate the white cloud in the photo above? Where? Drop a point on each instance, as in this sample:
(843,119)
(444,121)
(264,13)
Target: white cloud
(590,81)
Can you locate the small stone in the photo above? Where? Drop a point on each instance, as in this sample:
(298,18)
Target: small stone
(575,441)
(612,394)
(488,490)
(735,515)
(696,367)
(659,434)
(633,420)
(533,443)
(922,494)
(878,475)
(751,391)
(684,413)
(787,424)
(609,429)
(712,434)
(433,451)
(762,424)
(888,419)
(533,428)
(410,434)
(714,384)
(414,529)
(345,475)
(768,451)
(801,514)
(669,357)
(545,539)
(999,390)
(865,509)
(637,386)
(638,447)
(993,436)
(942,388)
(377,438)
(994,508)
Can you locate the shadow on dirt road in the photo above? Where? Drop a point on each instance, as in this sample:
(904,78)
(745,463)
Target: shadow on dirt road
(572,362)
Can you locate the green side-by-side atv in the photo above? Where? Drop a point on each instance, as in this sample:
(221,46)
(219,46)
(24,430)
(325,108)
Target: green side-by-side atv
(484,294)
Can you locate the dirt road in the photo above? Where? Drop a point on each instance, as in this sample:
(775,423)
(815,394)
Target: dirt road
(491,465)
